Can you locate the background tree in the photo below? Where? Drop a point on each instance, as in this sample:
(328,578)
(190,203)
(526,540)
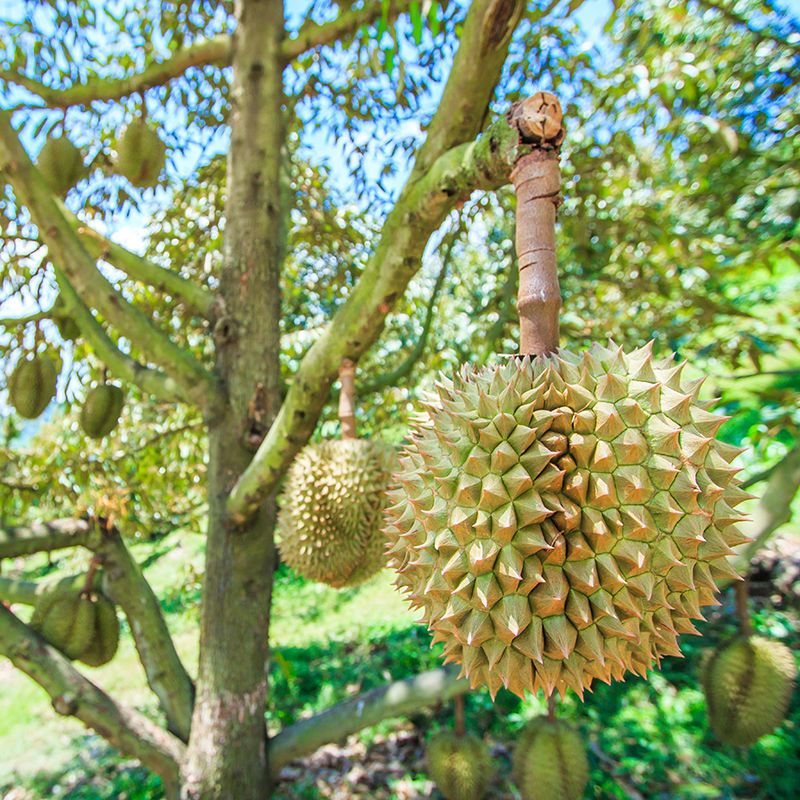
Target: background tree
(267,263)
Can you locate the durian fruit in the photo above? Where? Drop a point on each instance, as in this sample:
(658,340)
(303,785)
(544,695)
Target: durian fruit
(550,761)
(748,683)
(140,154)
(561,519)
(83,625)
(101,410)
(459,765)
(32,385)
(329,526)
(67,328)
(61,165)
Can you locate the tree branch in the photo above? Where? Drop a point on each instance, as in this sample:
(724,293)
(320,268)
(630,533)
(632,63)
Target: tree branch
(125,367)
(198,54)
(66,249)
(393,700)
(74,695)
(165,672)
(313,34)
(140,268)
(17,590)
(41,537)
(445,173)
(773,510)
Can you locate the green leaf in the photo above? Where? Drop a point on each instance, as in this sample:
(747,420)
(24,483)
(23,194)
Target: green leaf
(416,21)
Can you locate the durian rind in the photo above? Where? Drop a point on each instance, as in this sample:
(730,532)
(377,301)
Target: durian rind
(65,618)
(550,761)
(460,766)
(748,684)
(562,519)
(141,154)
(329,526)
(105,639)
(101,410)
(61,165)
(32,385)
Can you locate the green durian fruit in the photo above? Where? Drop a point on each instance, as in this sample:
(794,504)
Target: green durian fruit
(329,526)
(32,385)
(562,519)
(460,766)
(140,154)
(61,165)
(106,634)
(101,410)
(748,683)
(550,761)
(67,328)
(65,617)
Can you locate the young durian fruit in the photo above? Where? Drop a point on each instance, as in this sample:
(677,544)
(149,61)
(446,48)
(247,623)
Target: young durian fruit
(329,526)
(67,327)
(32,385)
(748,683)
(81,623)
(561,518)
(550,761)
(61,164)
(101,410)
(140,154)
(459,765)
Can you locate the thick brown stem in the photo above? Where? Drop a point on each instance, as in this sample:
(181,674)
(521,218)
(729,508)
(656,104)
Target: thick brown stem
(460,724)
(537,181)
(743,608)
(347,399)
(551,707)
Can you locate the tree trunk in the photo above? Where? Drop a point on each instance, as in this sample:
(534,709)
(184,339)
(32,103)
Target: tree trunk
(228,755)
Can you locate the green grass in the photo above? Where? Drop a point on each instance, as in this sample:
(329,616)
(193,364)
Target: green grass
(330,644)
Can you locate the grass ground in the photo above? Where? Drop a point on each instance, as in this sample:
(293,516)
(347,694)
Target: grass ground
(646,737)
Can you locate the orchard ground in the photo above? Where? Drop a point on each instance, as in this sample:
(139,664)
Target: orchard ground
(646,739)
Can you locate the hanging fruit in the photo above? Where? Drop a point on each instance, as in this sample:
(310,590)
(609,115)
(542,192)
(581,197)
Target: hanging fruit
(32,385)
(61,165)
(331,509)
(141,154)
(101,410)
(561,517)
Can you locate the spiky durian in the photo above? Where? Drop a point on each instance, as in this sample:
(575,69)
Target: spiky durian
(61,165)
(748,684)
(329,525)
(32,385)
(562,519)
(550,761)
(101,410)
(459,765)
(83,625)
(140,154)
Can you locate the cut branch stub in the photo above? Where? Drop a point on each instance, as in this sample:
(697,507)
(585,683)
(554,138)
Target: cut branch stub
(537,181)
(347,398)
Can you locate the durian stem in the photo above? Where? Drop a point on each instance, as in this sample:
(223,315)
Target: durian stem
(537,182)
(90,573)
(460,724)
(743,608)
(347,398)
(551,707)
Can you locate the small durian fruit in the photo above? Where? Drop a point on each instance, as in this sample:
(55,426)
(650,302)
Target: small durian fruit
(140,154)
(67,327)
(748,683)
(105,639)
(459,765)
(61,165)
(561,519)
(65,617)
(101,410)
(329,526)
(32,385)
(550,761)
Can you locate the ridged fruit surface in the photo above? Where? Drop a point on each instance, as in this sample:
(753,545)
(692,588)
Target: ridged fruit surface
(329,526)
(460,766)
(748,683)
(32,385)
(141,154)
(61,165)
(101,410)
(105,639)
(550,762)
(562,519)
